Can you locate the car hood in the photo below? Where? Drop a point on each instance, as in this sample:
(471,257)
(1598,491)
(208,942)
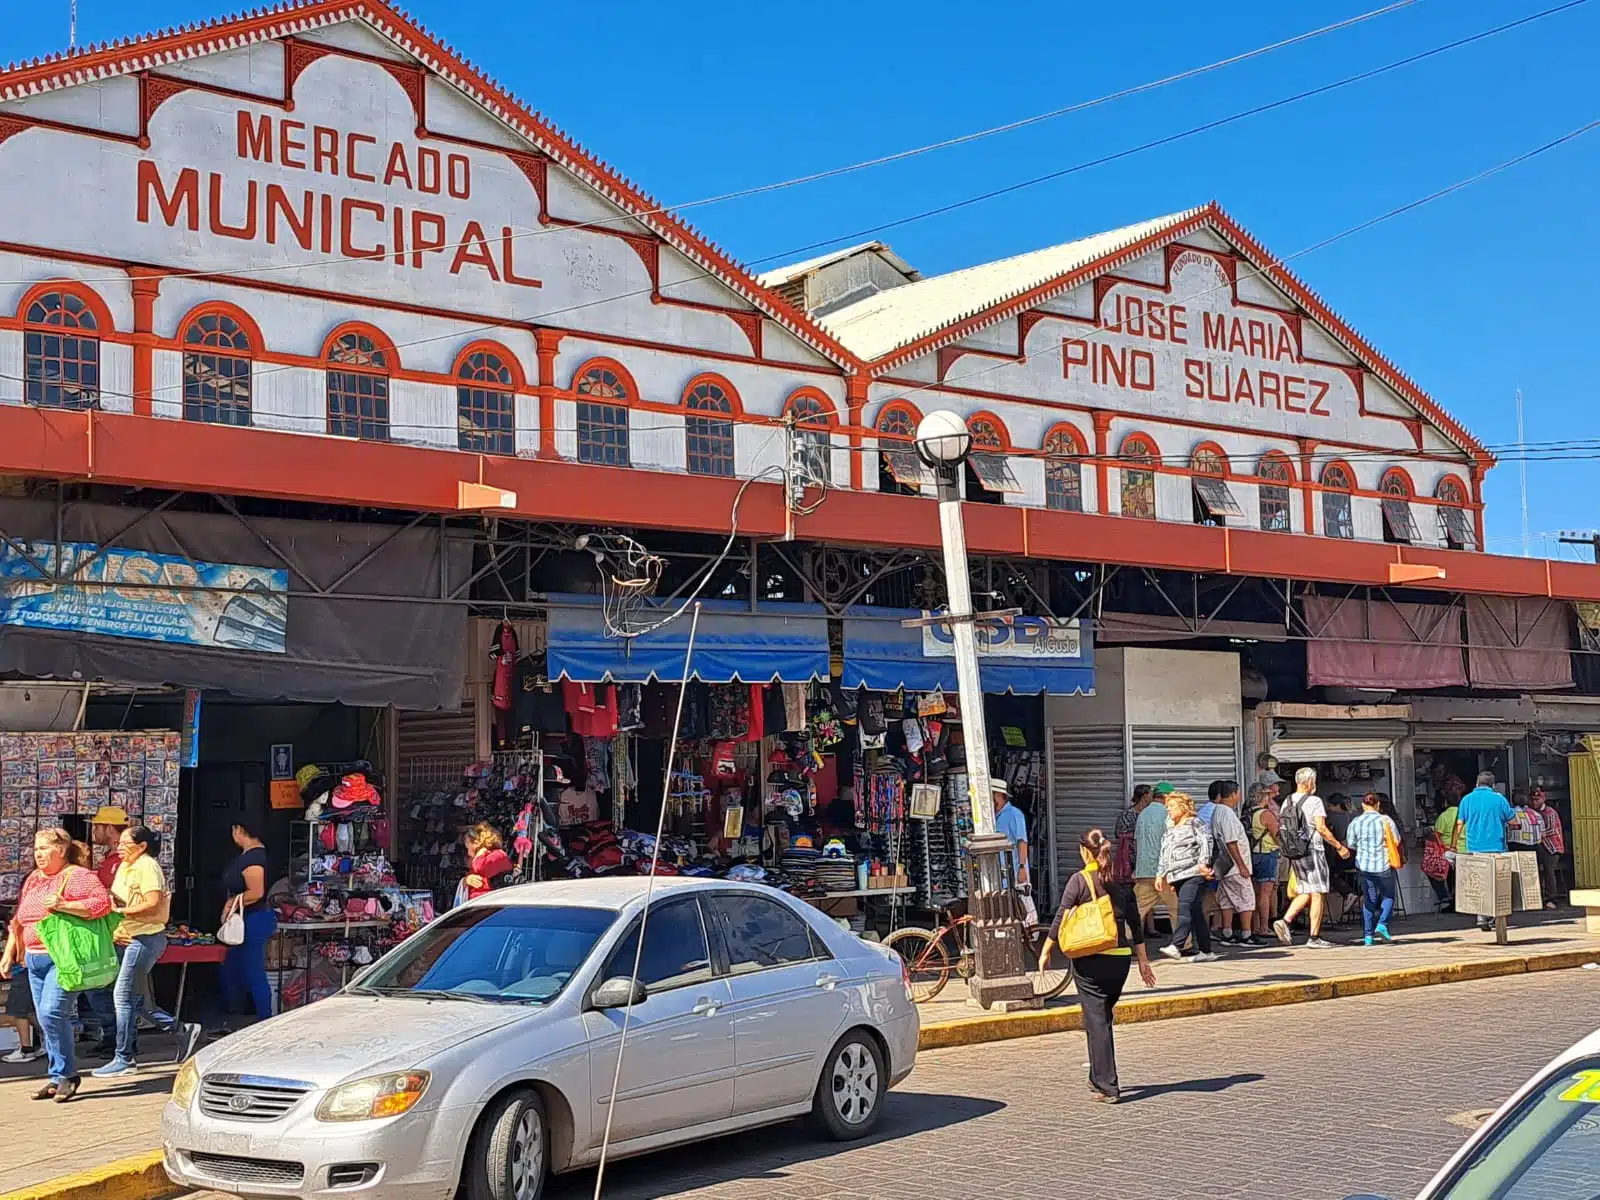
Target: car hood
(348,1037)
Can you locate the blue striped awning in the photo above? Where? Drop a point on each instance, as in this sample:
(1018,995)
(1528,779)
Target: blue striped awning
(787,642)
(1033,655)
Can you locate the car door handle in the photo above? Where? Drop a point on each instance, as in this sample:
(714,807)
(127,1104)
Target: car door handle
(704,1007)
(826,982)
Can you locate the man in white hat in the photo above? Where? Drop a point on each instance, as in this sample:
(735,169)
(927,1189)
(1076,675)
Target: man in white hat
(1008,820)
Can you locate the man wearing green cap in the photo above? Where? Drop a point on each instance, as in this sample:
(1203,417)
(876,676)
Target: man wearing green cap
(1148,830)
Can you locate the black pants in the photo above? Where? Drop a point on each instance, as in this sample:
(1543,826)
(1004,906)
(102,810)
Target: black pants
(1100,980)
(1547,871)
(1192,915)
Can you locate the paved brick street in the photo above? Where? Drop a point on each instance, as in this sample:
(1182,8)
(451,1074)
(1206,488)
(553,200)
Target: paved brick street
(1374,1091)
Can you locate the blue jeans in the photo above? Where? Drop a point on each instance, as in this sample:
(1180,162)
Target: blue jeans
(1192,914)
(136,958)
(244,970)
(53,1010)
(1378,891)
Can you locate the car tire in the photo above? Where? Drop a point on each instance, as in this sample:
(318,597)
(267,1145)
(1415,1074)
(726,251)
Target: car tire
(509,1158)
(850,1095)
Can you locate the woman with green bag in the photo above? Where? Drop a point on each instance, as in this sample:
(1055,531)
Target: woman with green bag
(62,884)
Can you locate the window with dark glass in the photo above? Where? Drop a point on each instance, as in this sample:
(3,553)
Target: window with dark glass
(761,933)
(358,388)
(61,353)
(1214,502)
(216,371)
(1337,520)
(486,405)
(989,477)
(709,439)
(675,949)
(1455,525)
(1063,472)
(900,471)
(812,439)
(1138,477)
(1274,494)
(1398,523)
(603,418)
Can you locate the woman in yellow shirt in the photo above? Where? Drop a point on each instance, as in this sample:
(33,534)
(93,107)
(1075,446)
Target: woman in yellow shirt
(139,892)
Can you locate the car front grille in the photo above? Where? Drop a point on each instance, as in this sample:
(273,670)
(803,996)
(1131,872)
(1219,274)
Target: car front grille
(247,1170)
(249,1097)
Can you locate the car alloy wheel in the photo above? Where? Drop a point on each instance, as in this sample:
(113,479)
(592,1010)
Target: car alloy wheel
(527,1155)
(854,1084)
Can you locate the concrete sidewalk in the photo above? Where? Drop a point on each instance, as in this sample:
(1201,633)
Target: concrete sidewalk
(1426,950)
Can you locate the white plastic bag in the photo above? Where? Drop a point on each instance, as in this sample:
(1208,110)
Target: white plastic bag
(231,932)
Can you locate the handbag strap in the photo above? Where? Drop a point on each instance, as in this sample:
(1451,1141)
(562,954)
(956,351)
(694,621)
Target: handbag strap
(1088,877)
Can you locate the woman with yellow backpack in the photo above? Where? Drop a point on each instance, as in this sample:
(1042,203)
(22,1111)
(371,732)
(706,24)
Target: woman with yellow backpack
(1102,934)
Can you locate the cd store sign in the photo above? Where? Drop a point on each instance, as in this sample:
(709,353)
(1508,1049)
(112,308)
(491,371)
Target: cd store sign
(1032,638)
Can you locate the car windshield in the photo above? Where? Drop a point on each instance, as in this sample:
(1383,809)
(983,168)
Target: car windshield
(514,953)
(1546,1149)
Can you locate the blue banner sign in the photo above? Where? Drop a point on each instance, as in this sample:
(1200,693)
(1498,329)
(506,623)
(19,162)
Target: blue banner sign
(137,594)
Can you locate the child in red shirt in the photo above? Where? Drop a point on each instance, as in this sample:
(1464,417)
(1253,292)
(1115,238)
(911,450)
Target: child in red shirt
(489,861)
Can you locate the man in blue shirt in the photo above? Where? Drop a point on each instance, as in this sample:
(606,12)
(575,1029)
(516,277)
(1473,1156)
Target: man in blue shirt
(1483,815)
(1008,819)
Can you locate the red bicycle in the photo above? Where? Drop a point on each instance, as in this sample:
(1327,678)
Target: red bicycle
(931,956)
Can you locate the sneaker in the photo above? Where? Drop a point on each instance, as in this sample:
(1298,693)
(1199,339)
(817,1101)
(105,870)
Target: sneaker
(1225,937)
(188,1035)
(1317,943)
(1366,941)
(1172,952)
(1383,933)
(1207,956)
(1281,929)
(115,1069)
(20,1056)
(1248,939)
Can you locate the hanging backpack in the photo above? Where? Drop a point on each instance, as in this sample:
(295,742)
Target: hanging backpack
(1221,860)
(1294,833)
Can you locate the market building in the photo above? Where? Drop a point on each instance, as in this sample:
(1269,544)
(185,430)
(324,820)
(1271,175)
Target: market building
(331,374)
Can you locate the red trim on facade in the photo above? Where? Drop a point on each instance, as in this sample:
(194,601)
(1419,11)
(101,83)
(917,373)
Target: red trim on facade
(857,389)
(1401,475)
(547,344)
(519,379)
(146,288)
(91,300)
(829,409)
(1200,448)
(998,425)
(1278,456)
(244,320)
(379,339)
(602,363)
(711,377)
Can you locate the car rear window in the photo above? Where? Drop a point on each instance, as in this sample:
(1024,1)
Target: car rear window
(512,953)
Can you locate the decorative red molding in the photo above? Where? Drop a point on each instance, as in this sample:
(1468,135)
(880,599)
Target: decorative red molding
(11,126)
(297,56)
(1102,471)
(154,91)
(537,168)
(547,346)
(146,286)
(856,389)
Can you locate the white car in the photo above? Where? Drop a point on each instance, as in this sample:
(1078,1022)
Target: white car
(480,1054)
(1542,1144)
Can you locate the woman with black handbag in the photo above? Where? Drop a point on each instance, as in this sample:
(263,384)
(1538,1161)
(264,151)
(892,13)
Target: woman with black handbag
(1102,973)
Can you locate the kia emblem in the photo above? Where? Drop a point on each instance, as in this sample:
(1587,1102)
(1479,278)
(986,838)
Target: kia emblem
(240,1102)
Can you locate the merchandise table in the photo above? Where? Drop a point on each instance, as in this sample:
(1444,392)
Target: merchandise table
(182,956)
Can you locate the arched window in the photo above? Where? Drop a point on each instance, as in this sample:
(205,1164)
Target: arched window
(486,403)
(1063,470)
(812,421)
(1398,525)
(1337,484)
(900,471)
(61,352)
(1455,525)
(710,439)
(1274,491)
(603,392)
(1214,502)
(989,478)
(358,386)
(1139,456)
(216,370)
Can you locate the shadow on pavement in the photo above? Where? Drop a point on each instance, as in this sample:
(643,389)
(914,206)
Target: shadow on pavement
(767,1154)
(1219,1083)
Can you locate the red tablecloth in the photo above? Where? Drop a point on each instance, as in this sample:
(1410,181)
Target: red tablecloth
(213,953)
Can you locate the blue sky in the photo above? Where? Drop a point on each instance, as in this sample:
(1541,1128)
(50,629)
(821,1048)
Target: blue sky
(1473,296)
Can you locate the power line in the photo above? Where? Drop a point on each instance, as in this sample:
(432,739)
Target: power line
(864,164)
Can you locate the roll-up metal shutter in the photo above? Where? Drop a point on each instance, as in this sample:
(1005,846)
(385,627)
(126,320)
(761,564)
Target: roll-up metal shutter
(1310,751)
(1189,759)
(1088,787)
(1466,735)
(432,747)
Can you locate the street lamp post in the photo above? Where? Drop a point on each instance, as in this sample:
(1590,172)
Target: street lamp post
(998,942)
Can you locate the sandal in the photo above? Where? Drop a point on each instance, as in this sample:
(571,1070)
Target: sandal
(66,1091)
(47,1092)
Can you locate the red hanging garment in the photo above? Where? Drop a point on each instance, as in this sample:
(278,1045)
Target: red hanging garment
(504,655)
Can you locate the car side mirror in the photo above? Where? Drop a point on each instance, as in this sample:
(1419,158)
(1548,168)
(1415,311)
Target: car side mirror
(619,992)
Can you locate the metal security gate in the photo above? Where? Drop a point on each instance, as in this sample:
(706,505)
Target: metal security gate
(430,743)
(1088,788)
(1190,759)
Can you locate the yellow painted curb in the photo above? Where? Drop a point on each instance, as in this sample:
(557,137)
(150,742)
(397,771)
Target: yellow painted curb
(973,1031)
(141,1177)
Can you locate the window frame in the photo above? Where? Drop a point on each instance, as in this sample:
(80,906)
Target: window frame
(712,431)
(1452,497)
(1397,504)
(1214,502)
(1282,489)
(901,447)
(717,967)
(814,434)
(476,396)
(90,318)
(381,375)
(1137,458)
(245,330)
(1333,494)
(610,452)
(819,951)
(1059,464)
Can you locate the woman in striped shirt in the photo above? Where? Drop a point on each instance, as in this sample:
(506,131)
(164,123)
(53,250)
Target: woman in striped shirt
(1369,837)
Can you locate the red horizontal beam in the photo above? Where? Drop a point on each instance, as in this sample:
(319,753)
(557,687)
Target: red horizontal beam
(141,451)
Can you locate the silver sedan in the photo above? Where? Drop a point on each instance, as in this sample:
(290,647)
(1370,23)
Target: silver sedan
(482,1053)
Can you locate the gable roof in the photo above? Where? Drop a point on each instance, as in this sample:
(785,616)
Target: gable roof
(132,55)
(779,276)
(900,324)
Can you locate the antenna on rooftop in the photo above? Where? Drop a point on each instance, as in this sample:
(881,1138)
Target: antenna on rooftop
(72,25)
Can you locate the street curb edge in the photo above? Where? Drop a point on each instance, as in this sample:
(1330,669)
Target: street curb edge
(141,1177)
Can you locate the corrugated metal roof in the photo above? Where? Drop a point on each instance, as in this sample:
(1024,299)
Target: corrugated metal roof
(779,276)
(899,316)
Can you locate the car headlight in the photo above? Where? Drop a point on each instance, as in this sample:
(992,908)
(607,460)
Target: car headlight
(379,1096)
(185,1085)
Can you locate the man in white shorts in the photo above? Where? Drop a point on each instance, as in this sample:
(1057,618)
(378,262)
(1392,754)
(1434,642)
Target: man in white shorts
(1236,892)
(1310,875)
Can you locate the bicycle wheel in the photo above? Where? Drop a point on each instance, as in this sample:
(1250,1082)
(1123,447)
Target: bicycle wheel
(926,961)
(1050,978)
